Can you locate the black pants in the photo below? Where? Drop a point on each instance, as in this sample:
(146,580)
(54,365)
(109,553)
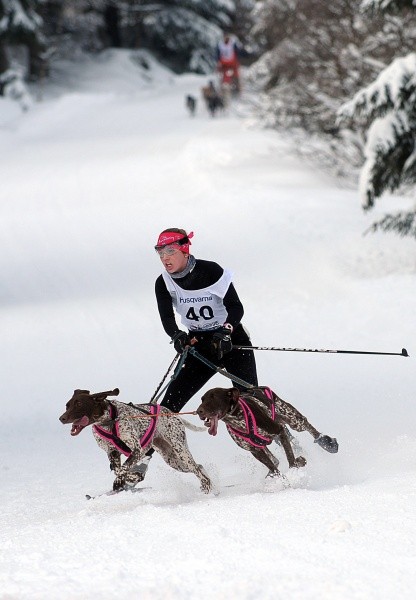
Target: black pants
(195,374)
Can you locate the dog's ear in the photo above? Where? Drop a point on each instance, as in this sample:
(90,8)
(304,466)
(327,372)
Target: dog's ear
(233,393)
(99,406)
(103,395)
(79,392)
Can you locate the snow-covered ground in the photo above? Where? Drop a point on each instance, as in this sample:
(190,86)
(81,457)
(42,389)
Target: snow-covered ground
(89,177)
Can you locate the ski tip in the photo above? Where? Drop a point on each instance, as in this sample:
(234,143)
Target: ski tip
(404,352)
(131,489)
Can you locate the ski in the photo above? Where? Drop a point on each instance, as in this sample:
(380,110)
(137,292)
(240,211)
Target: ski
(132,490)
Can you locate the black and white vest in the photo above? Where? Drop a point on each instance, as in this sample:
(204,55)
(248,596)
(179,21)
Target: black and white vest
(200,310)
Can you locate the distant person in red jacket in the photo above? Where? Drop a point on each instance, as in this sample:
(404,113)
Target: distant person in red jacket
(228,53)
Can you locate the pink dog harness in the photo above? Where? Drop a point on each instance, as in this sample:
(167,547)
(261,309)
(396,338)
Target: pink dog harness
(112,436)
(251,434)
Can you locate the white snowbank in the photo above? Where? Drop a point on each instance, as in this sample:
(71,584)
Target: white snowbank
(89,177)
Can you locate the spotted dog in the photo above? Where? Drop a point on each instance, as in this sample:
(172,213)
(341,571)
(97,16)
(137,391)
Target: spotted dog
(254,418)
(118,431)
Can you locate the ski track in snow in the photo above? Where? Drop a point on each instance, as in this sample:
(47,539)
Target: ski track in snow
(90,175)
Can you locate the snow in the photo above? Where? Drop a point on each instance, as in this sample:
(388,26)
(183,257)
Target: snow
(90,175)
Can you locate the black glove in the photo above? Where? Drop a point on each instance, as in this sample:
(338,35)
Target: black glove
(221,342)
(180,340)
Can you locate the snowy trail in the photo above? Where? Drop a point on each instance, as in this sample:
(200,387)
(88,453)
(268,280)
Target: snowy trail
(89,178)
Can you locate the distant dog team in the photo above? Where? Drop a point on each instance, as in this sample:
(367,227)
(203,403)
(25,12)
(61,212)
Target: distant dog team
(213,99)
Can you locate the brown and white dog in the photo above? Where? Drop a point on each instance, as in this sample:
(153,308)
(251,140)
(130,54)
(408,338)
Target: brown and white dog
(132,430)
(254,418)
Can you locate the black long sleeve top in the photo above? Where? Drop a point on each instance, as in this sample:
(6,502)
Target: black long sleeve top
(204,274)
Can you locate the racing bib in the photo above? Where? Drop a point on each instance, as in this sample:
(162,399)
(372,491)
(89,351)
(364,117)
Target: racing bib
(200,310)
(226,51)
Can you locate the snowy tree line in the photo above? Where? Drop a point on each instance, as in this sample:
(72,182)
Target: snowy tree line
(341,71)
(182,32)
(345,71)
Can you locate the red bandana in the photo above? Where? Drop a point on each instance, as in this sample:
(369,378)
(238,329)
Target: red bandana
(171,237)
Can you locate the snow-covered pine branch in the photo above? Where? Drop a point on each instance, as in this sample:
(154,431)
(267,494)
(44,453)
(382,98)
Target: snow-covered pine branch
(183,32)
(389,105)
(20,30)
(372,6)
(401,223)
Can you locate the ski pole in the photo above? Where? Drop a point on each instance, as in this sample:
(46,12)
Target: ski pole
(174,375)
(153,399)
(219,369)
(402,353)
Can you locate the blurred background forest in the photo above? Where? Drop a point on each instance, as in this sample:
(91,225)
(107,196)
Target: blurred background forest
(340,75)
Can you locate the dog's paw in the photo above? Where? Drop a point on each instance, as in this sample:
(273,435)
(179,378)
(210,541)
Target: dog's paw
(300,461)
(206,485)
(327,443)
(120,480)
(119,484)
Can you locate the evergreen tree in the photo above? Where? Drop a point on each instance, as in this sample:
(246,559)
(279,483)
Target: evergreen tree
(21,25)
(243,20)
(316,53)
(185,32)
(86,25)
(315,56)
(386,6)
(387,110)
(182,33)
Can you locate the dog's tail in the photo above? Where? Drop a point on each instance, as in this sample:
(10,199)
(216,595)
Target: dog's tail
(191,426)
